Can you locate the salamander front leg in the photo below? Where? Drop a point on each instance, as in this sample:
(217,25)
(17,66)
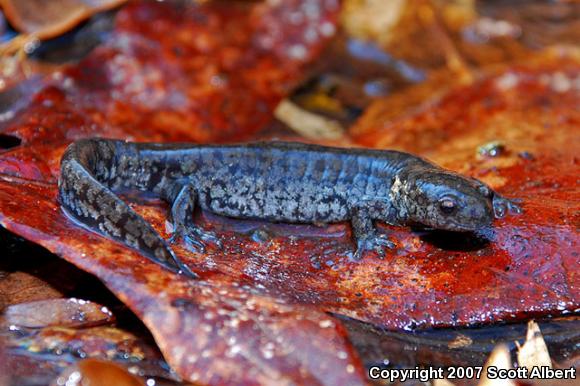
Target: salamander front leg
(366,236)
(182,211)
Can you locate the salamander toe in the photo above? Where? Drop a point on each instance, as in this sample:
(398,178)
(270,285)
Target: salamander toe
(376,243)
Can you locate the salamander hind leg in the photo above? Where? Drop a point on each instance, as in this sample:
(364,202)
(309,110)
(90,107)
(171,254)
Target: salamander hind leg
(107,214)
(184,228)
(366,236)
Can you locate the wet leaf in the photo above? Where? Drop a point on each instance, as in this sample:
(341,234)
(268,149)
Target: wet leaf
(151,83)
(435,347)
(93,372)
(530,262)
(533,352)
(39,355)
(20,287)
(259,313)
(55,312)
(47,19)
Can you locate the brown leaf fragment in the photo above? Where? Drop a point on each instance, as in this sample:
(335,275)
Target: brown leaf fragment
(252,339)
(56,312)
(460,341)
(42,354)
(48,19)
(501,359)
(534,351)
(307,124)
(372,19)
(94,372)
(20,287)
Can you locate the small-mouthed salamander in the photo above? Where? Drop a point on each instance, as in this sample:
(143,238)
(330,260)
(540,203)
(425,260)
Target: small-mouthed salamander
(272,181)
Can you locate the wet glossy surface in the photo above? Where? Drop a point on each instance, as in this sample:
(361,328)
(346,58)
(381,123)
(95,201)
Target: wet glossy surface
(259,312)
(49,19)
(189,89)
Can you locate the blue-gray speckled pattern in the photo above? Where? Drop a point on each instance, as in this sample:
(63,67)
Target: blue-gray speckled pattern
(273,181)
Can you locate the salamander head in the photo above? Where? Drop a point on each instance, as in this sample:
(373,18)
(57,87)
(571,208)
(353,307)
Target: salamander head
(444,200)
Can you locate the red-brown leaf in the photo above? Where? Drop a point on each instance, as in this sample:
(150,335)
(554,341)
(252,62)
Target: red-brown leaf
(55,312)
(258,314)
(218,76)
(47,19)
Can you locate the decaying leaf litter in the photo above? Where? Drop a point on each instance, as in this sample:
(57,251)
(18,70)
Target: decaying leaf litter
(266,272)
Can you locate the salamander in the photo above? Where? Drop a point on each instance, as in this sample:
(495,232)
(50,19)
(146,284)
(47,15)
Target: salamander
(272,181)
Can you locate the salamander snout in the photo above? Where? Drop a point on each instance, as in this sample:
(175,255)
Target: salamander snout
(449,201)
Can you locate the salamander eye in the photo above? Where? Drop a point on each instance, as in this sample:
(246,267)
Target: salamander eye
(448,204)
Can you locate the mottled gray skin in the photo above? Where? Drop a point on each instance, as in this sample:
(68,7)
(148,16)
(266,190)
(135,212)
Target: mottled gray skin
(273,181)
